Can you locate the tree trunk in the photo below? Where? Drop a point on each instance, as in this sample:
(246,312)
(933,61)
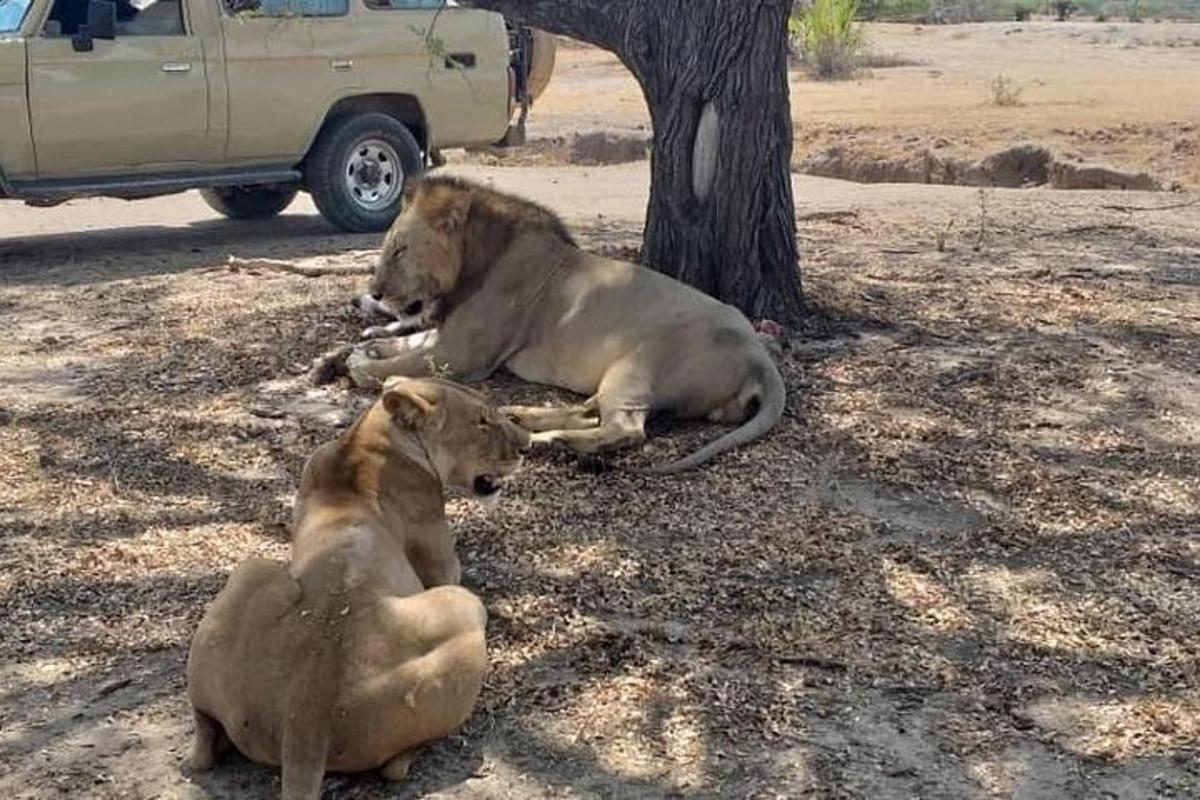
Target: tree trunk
(714,73)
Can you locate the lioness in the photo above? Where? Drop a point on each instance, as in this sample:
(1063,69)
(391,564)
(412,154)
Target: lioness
(346,658)
(500,282)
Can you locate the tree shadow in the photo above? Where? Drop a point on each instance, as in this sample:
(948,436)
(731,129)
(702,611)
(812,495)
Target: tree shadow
(865,604)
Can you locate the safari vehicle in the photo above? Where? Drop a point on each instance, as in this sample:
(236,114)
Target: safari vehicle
(251,101)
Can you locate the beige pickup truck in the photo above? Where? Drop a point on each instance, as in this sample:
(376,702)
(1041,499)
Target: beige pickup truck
(250,101)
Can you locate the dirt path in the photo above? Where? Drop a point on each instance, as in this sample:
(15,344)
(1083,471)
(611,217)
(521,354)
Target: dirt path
(965,565)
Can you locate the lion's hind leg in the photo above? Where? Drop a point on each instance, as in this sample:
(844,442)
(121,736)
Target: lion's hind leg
(538,418)
(209,742)
(429,670)
(617,429)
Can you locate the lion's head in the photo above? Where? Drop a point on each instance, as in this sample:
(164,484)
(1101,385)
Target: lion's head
(421,258)
(449,230)
(470,444)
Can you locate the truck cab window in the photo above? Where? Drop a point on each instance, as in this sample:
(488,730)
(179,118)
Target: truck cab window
(153,18)
(12,14)
(401,5)
(134,17)
(291,8)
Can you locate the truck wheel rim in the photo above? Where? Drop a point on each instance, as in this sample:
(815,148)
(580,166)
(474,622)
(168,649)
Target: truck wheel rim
(373,174)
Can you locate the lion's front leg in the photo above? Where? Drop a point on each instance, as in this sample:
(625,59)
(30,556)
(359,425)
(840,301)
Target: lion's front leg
(394,346)
(428,353)
(412,356)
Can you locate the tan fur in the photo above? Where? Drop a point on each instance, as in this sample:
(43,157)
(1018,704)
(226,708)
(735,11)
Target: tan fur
(362,647)
(504,285)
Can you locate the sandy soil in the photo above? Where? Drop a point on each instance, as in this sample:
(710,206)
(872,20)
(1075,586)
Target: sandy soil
(1126,94)
(965,565)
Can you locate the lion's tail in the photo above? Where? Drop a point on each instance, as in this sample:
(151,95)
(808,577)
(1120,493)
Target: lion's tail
(772,399)
(305,744)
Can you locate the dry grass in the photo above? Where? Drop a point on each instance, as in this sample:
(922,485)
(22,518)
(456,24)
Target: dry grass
(875,60)
(966,563)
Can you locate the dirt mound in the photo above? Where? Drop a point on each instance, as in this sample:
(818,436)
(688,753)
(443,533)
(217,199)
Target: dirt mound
(1082,175)
(591,149)
(1013,167)
(603,147)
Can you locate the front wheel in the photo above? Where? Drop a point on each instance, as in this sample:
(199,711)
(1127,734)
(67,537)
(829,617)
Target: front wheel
(357,169)
(249,202)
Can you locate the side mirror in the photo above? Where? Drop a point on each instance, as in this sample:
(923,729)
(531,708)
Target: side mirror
(101,24)
(81,40)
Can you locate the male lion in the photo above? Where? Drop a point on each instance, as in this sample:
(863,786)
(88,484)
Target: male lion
(500,282)
(347,658)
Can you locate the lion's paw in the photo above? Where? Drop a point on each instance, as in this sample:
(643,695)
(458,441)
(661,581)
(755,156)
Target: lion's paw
(328,367)
(358,367)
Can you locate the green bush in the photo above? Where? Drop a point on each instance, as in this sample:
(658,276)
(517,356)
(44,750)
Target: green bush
(830,39)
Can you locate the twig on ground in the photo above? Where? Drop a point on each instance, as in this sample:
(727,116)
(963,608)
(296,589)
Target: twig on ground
(1130,209)
(836,217)
(1104,226)
(236,264)
(111,687)
(809,660)
(979,240)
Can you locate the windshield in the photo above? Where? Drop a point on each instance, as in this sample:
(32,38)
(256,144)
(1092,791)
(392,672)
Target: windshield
(11,14)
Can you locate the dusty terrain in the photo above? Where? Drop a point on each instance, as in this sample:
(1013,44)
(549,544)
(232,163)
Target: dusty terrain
(1115,92)
(966,564)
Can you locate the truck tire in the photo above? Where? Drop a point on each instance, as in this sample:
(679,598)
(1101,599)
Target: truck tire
(249,202)
(357,169)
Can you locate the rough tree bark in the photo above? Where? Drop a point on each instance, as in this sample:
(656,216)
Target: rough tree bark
(714,73)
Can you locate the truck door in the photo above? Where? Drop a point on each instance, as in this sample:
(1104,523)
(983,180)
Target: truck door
(287,63)
(137,102)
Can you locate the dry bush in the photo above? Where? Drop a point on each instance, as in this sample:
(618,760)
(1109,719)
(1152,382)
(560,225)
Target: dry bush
(1006,92)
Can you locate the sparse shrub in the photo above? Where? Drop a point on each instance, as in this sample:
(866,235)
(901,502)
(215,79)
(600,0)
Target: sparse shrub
(1063,9)
(1006,92)
(1021,12)
(1135,10)
(830,38)
(869,9)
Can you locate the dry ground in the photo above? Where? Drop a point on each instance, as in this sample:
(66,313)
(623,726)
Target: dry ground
(1126,94)
(966,564)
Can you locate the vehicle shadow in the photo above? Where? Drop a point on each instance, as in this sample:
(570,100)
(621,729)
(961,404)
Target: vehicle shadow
(93,256)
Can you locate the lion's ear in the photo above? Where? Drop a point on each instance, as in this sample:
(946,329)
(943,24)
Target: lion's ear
(410,406)
(452,217)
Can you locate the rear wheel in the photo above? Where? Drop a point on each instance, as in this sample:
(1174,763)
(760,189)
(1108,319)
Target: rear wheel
(357,169)
(249,202)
